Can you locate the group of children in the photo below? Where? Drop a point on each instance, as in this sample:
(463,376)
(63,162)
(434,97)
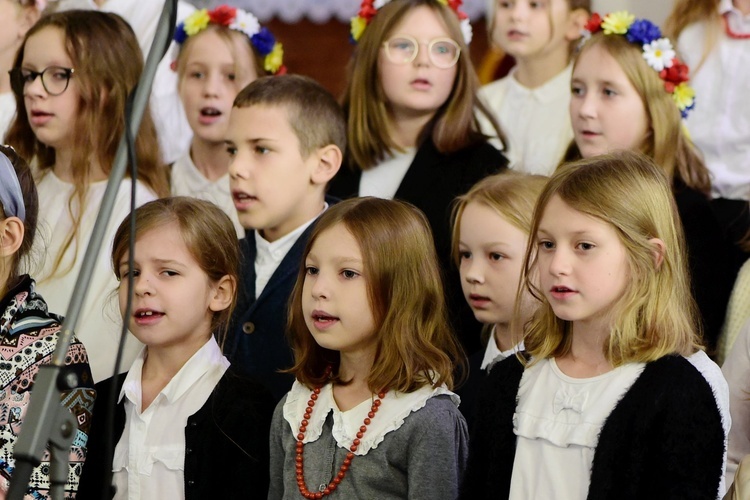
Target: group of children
(584,299)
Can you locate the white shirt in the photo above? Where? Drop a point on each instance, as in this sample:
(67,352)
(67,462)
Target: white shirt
(7,112)
(383,179)
(269,255)
(558,421)
(720,123)
(166,108)
(187,180)
(149,459)
(100,322)
(535,121)
(493,354)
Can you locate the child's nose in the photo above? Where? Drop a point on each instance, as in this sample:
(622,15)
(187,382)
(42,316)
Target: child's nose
(559,263)
(142,286)
(473,271)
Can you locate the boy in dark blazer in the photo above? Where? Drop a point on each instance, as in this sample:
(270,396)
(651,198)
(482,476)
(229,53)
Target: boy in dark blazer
(286,136)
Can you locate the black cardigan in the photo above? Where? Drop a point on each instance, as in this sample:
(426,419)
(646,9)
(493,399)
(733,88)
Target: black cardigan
(663,439)
(226,440)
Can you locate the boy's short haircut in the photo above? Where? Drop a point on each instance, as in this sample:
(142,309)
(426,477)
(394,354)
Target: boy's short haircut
(313,113)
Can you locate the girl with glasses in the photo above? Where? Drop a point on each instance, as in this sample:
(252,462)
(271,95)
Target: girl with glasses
(411,106)
(71,78)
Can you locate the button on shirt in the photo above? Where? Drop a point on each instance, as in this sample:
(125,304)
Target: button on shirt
(149,459)
(720,123)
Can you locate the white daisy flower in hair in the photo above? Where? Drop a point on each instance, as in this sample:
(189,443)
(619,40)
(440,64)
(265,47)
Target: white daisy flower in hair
(245,22)
(659,54)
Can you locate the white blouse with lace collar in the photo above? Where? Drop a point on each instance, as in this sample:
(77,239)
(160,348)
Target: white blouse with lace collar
(395,407)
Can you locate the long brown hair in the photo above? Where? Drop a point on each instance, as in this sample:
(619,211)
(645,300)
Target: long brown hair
(454,125)
(108,63)
(415,345)
(667,144)
(209,236)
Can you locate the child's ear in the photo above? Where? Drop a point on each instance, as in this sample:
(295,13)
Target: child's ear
(223,292)
(329,160)
(11,236)
(577,19)
(659,249)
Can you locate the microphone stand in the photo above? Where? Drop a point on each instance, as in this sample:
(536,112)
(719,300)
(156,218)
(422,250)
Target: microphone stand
(47,421)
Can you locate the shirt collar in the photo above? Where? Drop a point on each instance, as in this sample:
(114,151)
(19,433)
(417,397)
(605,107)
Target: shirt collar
(278,249)
(207,358)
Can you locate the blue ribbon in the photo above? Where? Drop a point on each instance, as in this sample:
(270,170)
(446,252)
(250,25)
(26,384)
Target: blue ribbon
(11,195)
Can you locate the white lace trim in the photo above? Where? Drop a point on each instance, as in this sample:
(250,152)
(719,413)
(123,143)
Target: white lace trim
(395,407)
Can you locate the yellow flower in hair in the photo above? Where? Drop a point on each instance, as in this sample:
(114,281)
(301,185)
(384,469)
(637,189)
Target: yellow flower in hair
(358,27)
(683,95)
(617,23)
(274,59)
(196,22)
(444,2)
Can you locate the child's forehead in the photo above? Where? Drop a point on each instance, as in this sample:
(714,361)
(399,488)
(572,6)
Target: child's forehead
(260,120)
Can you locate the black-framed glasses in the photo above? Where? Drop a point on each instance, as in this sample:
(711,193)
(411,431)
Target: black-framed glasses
(403,49)
(55,79)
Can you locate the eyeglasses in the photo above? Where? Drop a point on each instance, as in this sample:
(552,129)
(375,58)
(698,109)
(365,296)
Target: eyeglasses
(403,49)
(55,79)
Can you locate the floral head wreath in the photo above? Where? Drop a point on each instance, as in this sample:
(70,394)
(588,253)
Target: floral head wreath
(238,20)
(657,51)
(369,8)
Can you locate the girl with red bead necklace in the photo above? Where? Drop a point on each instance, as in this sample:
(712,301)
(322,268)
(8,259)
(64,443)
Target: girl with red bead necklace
(371,414)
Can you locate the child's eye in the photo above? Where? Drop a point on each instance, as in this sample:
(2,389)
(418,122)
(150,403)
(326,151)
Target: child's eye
(124,273)
(261,150)
(196,74)
(464,255)
(504,5)
(231,150)
(349,274)
(170,273)
(496,256)
(546,245)
(231,77)
(536,5)
(609,92)
(577,90)
(586,246)
(311,270)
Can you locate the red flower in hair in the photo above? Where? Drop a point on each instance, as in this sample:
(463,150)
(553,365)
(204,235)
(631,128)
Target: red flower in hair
(594,24)
(281,71)
(367,11)
(675,75)
(222,15)
(455,4)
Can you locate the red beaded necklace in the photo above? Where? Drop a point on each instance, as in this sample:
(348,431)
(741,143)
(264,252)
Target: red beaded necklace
(730,33)
(349,456)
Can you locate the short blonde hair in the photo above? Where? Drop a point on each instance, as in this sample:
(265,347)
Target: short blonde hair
(511,194)
(656,315)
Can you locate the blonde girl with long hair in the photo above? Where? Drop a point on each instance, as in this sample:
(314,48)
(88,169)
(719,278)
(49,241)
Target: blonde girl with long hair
(604,403)
(71,80)
(630,91)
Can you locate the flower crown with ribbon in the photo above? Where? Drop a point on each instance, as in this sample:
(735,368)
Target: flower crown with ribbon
(238,20)
(657,51)
(369,8)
